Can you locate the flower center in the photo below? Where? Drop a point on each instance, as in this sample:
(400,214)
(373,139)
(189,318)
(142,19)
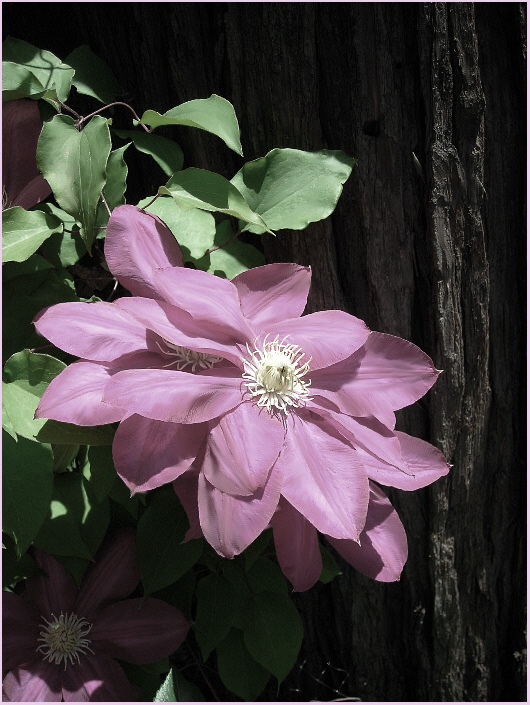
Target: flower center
(274,376)
(184,357)
(64,638)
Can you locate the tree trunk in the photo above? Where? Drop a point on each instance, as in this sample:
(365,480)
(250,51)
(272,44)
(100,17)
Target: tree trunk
(427,243)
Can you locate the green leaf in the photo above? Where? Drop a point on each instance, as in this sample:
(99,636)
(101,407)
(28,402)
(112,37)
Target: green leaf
(27,479)
(14,568)
(193,229)
(33,265)
(256,548)
(63,456)
(166,153)
(19,82)
(330,569)
(197,188)
(290,188)
(93,76)
(27,376)
(68,433)
(264,575)
(273,632)
(176,689)
(161,529)
(101,471)
(66,248)
(239,672)
(23,232)
(213,114)
(115,187)
(74,164)
(216,608)
(233,256)
(55,77)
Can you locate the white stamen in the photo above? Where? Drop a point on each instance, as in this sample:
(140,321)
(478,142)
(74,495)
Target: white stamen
(274,375)
(185,357)
(64,639)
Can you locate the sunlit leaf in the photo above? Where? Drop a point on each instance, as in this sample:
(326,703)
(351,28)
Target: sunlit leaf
(176,689)
(213,114)
(19,82)
(230,255)
(23,232)
(115,187)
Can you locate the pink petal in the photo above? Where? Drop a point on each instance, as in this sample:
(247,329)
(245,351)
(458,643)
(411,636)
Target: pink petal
(36,681)
(242,447)
(186,489)
(383,550)
(74,396)
(426,463)
(20,630)
(113,576)
(387,373)
(148,454)
(323,477)
(137,243)
(210,300)
(99,331)
(297,549)
(326,336)
(21,127)
(230,524)
(272,293)
(53,592)
(179,397)
(178,327)
(98,678)
(141,630)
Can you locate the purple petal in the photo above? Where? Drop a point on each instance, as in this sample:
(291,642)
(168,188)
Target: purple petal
(74,396)
(272,293)
(186,489)
(20,630)
(99,331)
(426,463)
(387,373)
(141,630)
(113,576)
(137,243)
(326,336)
(98,679)
(242,447)
(179,397)
(179,328)
(148,454)
(54,592)
(36,681)
(383,543)
(230,524)
(297,549)
(210,300)
(21,127)
(323,477)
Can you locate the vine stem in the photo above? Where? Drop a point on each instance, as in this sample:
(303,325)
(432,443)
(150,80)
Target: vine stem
(234,237)
(110,105)
(201,669)
(150,202)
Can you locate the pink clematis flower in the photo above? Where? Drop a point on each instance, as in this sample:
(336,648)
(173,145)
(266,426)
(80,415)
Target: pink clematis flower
(21,126)
(59,643)
(276,417)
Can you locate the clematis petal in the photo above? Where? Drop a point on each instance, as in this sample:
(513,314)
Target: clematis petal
(53,592)
(136,244)
(387,373)
(208,299)
(20,630)
(297,548)
(99,331)
(36,681)
(179,328)
(98,679)
(230,524)
(74,396)
(186,489)
(242,447)
(148,454)
(141,630)
(113,576)
(272,293)
(323,477)
(179,397)
(326,336)
(383,551)
(425,462)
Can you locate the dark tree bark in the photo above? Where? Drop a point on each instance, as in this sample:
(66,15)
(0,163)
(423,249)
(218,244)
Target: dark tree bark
(427,242)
